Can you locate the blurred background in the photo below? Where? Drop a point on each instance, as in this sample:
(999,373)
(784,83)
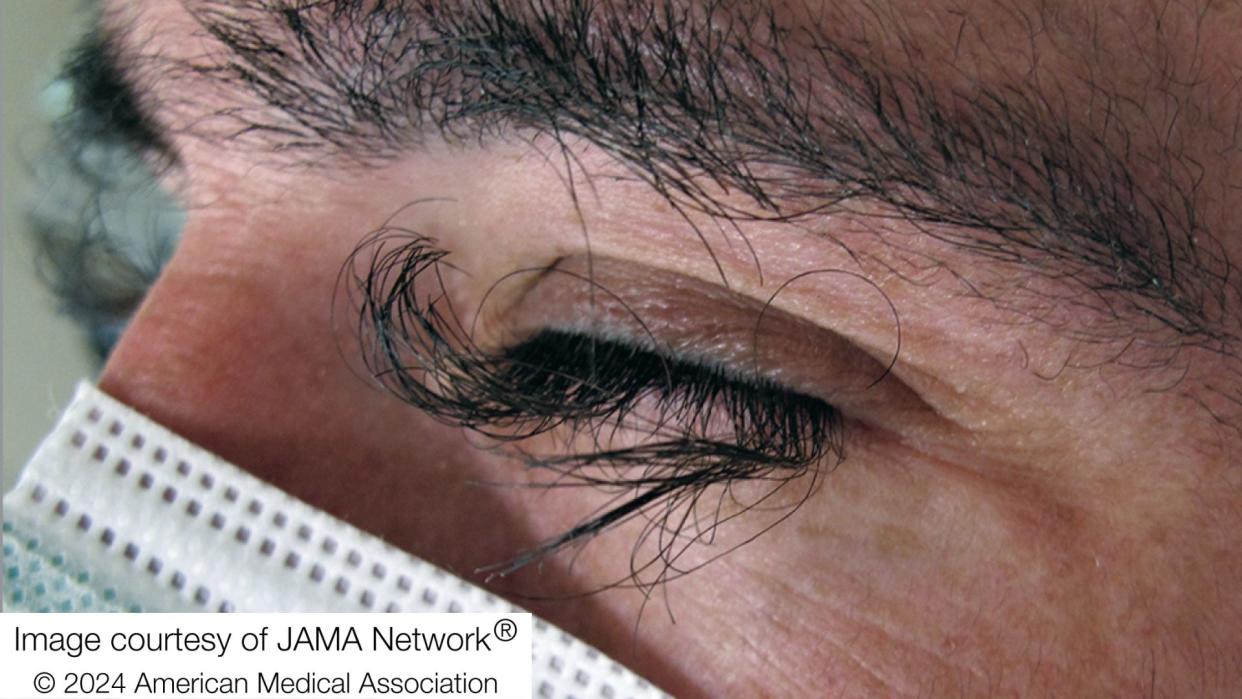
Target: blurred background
(44,354)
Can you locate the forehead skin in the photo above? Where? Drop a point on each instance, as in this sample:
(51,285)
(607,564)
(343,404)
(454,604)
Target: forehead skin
(1067,523)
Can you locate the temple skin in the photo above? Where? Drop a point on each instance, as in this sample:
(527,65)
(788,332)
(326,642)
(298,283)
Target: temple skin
(1033,516)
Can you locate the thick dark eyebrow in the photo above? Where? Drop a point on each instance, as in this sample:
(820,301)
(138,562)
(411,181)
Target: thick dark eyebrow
(720,98)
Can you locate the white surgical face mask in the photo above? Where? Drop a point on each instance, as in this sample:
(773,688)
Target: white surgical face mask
(116,513)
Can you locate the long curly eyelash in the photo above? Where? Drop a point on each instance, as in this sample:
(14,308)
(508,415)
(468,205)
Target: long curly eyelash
(704,432)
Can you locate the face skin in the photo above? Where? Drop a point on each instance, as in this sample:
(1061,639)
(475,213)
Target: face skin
(1040,494)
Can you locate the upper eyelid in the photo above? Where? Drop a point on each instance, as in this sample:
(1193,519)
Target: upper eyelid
(413,326)
(394,282)
(696,320)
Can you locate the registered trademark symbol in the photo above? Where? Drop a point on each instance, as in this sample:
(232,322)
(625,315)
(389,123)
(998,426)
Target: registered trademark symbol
(506,629)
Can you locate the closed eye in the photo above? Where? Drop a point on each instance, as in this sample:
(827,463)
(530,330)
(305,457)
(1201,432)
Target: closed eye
(682,446)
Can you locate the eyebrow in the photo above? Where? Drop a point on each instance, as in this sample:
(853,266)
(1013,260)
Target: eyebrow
(724,98)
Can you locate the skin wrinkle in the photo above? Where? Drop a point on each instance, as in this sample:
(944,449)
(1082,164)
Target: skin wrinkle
(1091,621)
(780,589)
(905,644)
(998,173)
(786,589)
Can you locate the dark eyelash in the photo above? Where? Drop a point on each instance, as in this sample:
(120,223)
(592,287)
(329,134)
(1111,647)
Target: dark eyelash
(702,428)
(704,431)
(569,377)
